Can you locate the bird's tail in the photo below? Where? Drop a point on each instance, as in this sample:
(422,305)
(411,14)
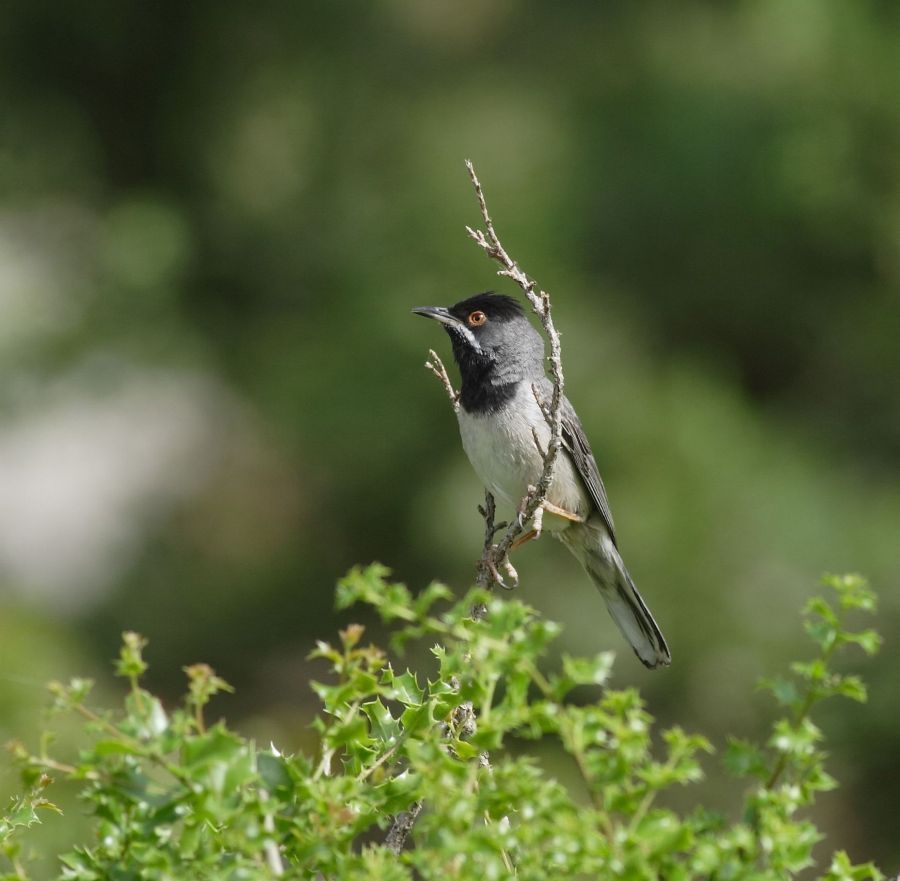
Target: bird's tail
(594,548)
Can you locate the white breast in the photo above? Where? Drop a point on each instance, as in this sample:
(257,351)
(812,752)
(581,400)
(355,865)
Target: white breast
(502,451)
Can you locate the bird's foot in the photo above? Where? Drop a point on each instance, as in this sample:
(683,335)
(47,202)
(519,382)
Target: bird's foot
(496,577)
(511,572)
(493,573)
(489,573)
(521,520)
(538,521)
(522,517)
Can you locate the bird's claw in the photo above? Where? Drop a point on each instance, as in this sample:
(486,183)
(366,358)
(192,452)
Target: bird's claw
(537,522)
(490,562)
(521,519)
(511,572)
(496,577)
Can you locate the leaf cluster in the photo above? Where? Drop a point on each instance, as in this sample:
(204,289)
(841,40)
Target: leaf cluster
(173,797)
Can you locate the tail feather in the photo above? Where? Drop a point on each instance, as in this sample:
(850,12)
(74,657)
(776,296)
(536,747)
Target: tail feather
(601,560)
(630,612)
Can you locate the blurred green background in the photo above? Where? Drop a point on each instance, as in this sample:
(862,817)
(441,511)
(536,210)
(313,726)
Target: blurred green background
(216,217)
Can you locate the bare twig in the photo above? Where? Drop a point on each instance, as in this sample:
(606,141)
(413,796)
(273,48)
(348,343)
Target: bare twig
(495,555)
(541,402)
(270,846)
(401,827)
(485,570)
(436,366)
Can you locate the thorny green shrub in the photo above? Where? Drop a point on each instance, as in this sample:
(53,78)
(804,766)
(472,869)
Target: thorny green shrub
(171,798)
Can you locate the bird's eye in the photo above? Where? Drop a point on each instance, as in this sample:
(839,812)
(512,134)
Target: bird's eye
(477,318)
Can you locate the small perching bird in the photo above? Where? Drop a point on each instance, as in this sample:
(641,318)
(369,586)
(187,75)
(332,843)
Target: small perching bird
(501,364)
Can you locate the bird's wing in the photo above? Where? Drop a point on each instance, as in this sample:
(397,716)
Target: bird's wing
(576,444)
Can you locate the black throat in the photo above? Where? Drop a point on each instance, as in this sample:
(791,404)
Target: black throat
(482,390)
(482,398)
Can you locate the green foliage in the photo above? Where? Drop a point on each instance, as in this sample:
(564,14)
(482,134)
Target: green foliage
(230,251)
(174,798)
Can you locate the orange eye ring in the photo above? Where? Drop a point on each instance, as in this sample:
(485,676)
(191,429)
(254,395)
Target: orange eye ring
(477,318)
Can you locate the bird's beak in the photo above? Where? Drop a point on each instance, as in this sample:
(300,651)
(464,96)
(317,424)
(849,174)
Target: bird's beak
(438,313)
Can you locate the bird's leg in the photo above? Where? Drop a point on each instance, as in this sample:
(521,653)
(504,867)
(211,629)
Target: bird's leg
(537,521)
(524,539)
(560,512)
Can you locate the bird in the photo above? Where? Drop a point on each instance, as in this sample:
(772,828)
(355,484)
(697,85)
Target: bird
(500,356)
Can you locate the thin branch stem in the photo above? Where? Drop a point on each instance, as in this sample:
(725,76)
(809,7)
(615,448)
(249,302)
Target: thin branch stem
(401,827)
(809,701)
(486,574)
(271,850)
(436,366)
(53,765)
(489,242)
(136,744)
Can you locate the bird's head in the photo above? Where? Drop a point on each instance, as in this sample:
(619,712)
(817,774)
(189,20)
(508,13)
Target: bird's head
(491,338)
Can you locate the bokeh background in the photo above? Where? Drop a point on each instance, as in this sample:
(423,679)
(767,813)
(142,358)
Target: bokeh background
(214,219)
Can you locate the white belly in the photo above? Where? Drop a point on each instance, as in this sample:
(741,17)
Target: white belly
(502,451)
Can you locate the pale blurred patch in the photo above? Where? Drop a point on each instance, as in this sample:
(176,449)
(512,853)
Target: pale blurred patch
(451,24)
(260,151)
(40,255)
(92,462)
